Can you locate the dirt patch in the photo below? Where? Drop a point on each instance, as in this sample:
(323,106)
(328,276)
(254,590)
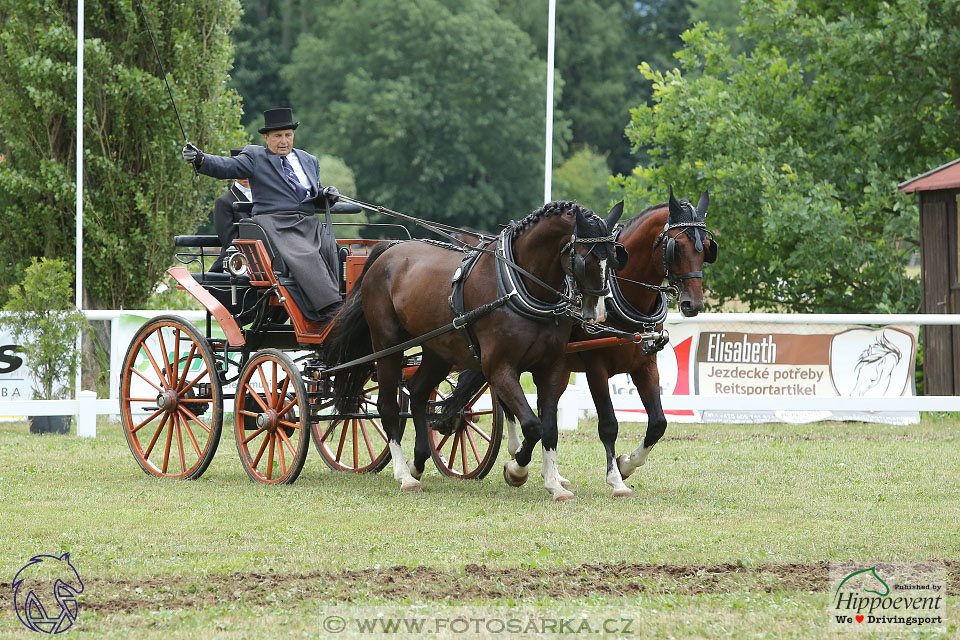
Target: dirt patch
(472,582)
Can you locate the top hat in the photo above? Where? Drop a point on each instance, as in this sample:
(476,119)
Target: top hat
(236,151)
(276,119)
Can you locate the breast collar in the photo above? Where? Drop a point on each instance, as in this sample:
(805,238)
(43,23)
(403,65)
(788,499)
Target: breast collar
(622,311)
(520,300)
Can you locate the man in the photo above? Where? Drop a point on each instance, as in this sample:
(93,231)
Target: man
(285,185)
(225,218)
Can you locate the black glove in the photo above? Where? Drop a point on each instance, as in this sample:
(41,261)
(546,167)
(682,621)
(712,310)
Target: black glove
(192,155)
(331,194)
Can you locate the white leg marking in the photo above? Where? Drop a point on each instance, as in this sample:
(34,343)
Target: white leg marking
(513,438)
(514,474)
(629,464)
(620,490)
(551,480)
(401,472)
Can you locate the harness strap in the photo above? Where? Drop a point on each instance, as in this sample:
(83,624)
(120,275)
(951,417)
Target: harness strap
(456,299)
(458,323)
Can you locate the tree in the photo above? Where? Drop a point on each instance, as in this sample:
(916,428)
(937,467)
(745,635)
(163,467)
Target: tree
(138,193)
(583,177)
(802,143)
(438,110)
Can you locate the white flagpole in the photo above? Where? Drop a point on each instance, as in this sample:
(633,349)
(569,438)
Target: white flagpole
(79,160)
(548,144)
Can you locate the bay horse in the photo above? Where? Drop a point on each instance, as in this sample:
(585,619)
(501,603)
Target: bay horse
(404,291)
(666,241)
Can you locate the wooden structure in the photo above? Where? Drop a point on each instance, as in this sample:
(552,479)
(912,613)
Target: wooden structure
(939,191)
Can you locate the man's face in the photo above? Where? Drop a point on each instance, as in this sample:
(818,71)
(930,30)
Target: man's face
(280,142)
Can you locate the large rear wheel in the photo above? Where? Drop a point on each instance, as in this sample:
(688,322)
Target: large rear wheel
(471,449)
(171,401)
(357,444)
(271,418)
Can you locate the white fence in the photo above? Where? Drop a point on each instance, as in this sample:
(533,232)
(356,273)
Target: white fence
(575,402)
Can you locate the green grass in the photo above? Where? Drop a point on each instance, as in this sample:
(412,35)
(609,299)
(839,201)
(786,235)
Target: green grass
(751,496)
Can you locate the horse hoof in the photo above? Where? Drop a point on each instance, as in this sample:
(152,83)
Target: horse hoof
(514,479)
(621,460)
(564,496)
(622,493)
(411,487)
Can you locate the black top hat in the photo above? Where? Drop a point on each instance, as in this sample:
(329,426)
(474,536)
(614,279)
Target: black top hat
(276,119)
(235,151)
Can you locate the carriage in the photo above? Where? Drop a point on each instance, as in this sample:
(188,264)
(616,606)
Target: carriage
(261,356)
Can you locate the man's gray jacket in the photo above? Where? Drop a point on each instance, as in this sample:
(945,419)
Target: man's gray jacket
(308,248)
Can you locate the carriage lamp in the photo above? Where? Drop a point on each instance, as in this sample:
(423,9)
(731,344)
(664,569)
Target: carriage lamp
(236,263)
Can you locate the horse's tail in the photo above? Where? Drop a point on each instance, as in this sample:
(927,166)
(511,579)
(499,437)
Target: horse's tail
(350,339)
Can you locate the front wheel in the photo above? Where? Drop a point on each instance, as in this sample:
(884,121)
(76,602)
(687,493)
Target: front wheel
(171,401)
(271,417)
(471,450)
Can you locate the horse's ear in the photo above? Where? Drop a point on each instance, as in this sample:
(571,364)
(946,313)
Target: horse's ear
(614,215)
(703,204)
(675,208)
(582,224)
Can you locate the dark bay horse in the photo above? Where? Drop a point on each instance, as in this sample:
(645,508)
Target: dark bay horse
(667,241)
(403,293)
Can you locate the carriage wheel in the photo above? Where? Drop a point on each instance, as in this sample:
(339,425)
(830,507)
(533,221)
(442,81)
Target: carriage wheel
(271,418)
(357,445)
(171,401)
(471,450)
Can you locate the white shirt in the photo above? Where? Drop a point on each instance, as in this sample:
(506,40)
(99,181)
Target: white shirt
(245,191)
(298,169)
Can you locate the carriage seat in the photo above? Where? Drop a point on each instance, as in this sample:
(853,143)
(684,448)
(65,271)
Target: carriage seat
(340,207)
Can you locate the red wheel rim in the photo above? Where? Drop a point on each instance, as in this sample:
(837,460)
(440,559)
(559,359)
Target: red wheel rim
(466,453)
(356,445)
(268,416)
(170,404)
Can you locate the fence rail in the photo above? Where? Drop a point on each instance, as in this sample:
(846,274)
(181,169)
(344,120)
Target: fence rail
(87,406)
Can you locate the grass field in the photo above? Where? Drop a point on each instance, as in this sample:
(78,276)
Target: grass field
(729,535)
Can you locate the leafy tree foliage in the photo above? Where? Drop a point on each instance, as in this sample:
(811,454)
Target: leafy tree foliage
(138,193)
(803,142)
(437,109)
(583,177)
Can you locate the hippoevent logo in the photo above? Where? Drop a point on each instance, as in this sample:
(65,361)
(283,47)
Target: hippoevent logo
(887,597)
(45,593)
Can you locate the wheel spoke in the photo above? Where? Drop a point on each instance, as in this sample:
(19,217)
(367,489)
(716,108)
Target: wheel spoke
(176,355)
(326,434)
(200,422)
(287,423)
(356,450)
(473,445)
(285,440)
(270,439)
(453,450)
(267,389)
(256,461)
(166,357)
(283,462)
(473,425)
(146,454)
(186,367)
(252,436)
(256,396)
(141,425)
(442,442)
(288,406)
(193,438)
(166,451)
(463,453)
(366,438)
(156,367)
(282,395)
(380,430)
(343,438)
(183,460)
(147,380)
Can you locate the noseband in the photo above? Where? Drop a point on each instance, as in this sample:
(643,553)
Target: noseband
(578,265)
(669,243)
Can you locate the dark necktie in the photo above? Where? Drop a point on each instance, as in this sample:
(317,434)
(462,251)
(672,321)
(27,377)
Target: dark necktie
(292,179)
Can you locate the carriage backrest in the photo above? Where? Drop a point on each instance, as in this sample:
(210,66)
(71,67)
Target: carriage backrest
(250,230)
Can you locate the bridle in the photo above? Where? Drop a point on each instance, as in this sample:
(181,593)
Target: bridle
(669,249)
(578,262)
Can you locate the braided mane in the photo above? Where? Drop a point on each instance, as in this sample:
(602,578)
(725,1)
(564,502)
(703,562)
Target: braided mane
(554,208)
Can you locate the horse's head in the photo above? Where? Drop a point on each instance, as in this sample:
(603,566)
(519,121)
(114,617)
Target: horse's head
(874,368)
(687,245)
(590,255)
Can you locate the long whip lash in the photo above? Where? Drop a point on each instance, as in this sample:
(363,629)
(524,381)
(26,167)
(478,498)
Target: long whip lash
(164,74)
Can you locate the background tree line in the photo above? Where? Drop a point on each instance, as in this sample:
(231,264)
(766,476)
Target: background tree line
(800,116)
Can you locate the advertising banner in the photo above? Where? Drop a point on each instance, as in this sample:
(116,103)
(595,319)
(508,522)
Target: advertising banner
(751,359)
(15,376)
